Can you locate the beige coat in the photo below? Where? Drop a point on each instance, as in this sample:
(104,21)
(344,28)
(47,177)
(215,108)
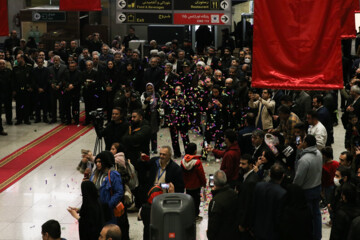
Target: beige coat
(266,118)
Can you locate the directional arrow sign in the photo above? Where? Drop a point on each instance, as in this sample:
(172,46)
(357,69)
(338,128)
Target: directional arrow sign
(121,3)
(121,17)
(225,19)
(224,4)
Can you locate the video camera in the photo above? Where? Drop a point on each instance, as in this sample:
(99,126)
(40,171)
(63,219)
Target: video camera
(98,120)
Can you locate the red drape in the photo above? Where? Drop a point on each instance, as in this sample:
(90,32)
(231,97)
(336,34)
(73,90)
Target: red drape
(349,7)
(297,44)
(80,5)
(4,25)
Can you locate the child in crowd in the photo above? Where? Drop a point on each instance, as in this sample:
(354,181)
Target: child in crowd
(194,175)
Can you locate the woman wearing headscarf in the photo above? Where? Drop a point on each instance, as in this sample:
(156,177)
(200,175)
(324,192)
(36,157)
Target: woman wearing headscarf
(111,190)
(151,104)
(90,215)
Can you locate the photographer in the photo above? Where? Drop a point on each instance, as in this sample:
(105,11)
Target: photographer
(115,129)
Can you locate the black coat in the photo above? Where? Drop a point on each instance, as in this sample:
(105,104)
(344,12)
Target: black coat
(6,83)
(41,79)
(59,77)
(268,203)
(342,221)
(155,76)
(114,133)
(222,222)
(354,231)
(136,141)
(22,78)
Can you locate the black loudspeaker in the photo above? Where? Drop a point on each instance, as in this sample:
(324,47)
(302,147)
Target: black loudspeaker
(173,217)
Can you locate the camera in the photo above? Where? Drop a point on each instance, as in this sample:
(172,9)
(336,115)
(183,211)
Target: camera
(98,120)
(97,114)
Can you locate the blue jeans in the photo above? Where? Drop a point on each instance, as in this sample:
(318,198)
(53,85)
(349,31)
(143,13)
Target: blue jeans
(312,196)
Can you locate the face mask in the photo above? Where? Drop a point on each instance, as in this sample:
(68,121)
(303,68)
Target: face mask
(337,182)
(247,60)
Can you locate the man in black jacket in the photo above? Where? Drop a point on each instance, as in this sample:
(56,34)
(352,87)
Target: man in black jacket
(23,88)
(6,89)
(154,74)
(160,170)
(116,129)
(91,82)
(41,78)
(72,94)
(222,210)
(267,205)
(137,138)
(59,77)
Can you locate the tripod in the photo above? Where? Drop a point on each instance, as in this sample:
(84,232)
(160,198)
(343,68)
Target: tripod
(98,145)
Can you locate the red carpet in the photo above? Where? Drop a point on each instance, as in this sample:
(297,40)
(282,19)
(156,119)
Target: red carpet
(16,165)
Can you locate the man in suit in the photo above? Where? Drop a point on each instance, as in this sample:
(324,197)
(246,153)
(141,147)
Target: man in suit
(244,135)
(268,202)
(59,77)
(159,170)
(211,59)
(91,82)
(154,74)
(259,144)
(246,173)
(354,107)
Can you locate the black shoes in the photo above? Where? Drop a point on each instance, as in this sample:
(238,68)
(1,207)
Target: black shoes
(3,133)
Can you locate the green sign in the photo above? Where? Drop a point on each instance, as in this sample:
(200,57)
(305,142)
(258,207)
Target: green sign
(49,16)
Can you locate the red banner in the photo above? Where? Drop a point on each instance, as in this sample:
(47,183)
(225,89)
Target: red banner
(349,7)
(80,5)
(297,44)
(4,25)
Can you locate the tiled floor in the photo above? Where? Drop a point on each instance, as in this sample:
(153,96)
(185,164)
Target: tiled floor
(47,191)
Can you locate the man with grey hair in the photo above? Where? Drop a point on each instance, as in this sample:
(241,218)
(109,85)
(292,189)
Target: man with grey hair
(91,82)
(354,107)
(159,170)
(106,54)
(60,75)
(222,222)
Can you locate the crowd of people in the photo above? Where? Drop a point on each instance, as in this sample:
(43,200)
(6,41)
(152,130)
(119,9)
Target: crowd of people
(277,165)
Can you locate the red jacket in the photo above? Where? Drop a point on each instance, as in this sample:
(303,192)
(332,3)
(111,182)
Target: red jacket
(328,173)
(230,161)
(193,172)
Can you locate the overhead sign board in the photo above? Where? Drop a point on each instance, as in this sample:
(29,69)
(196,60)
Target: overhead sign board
(141,17)
(56,16)
(179,12)
(202,5)
(144,4)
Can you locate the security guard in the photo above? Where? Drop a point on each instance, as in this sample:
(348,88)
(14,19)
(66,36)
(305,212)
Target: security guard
(23,89)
